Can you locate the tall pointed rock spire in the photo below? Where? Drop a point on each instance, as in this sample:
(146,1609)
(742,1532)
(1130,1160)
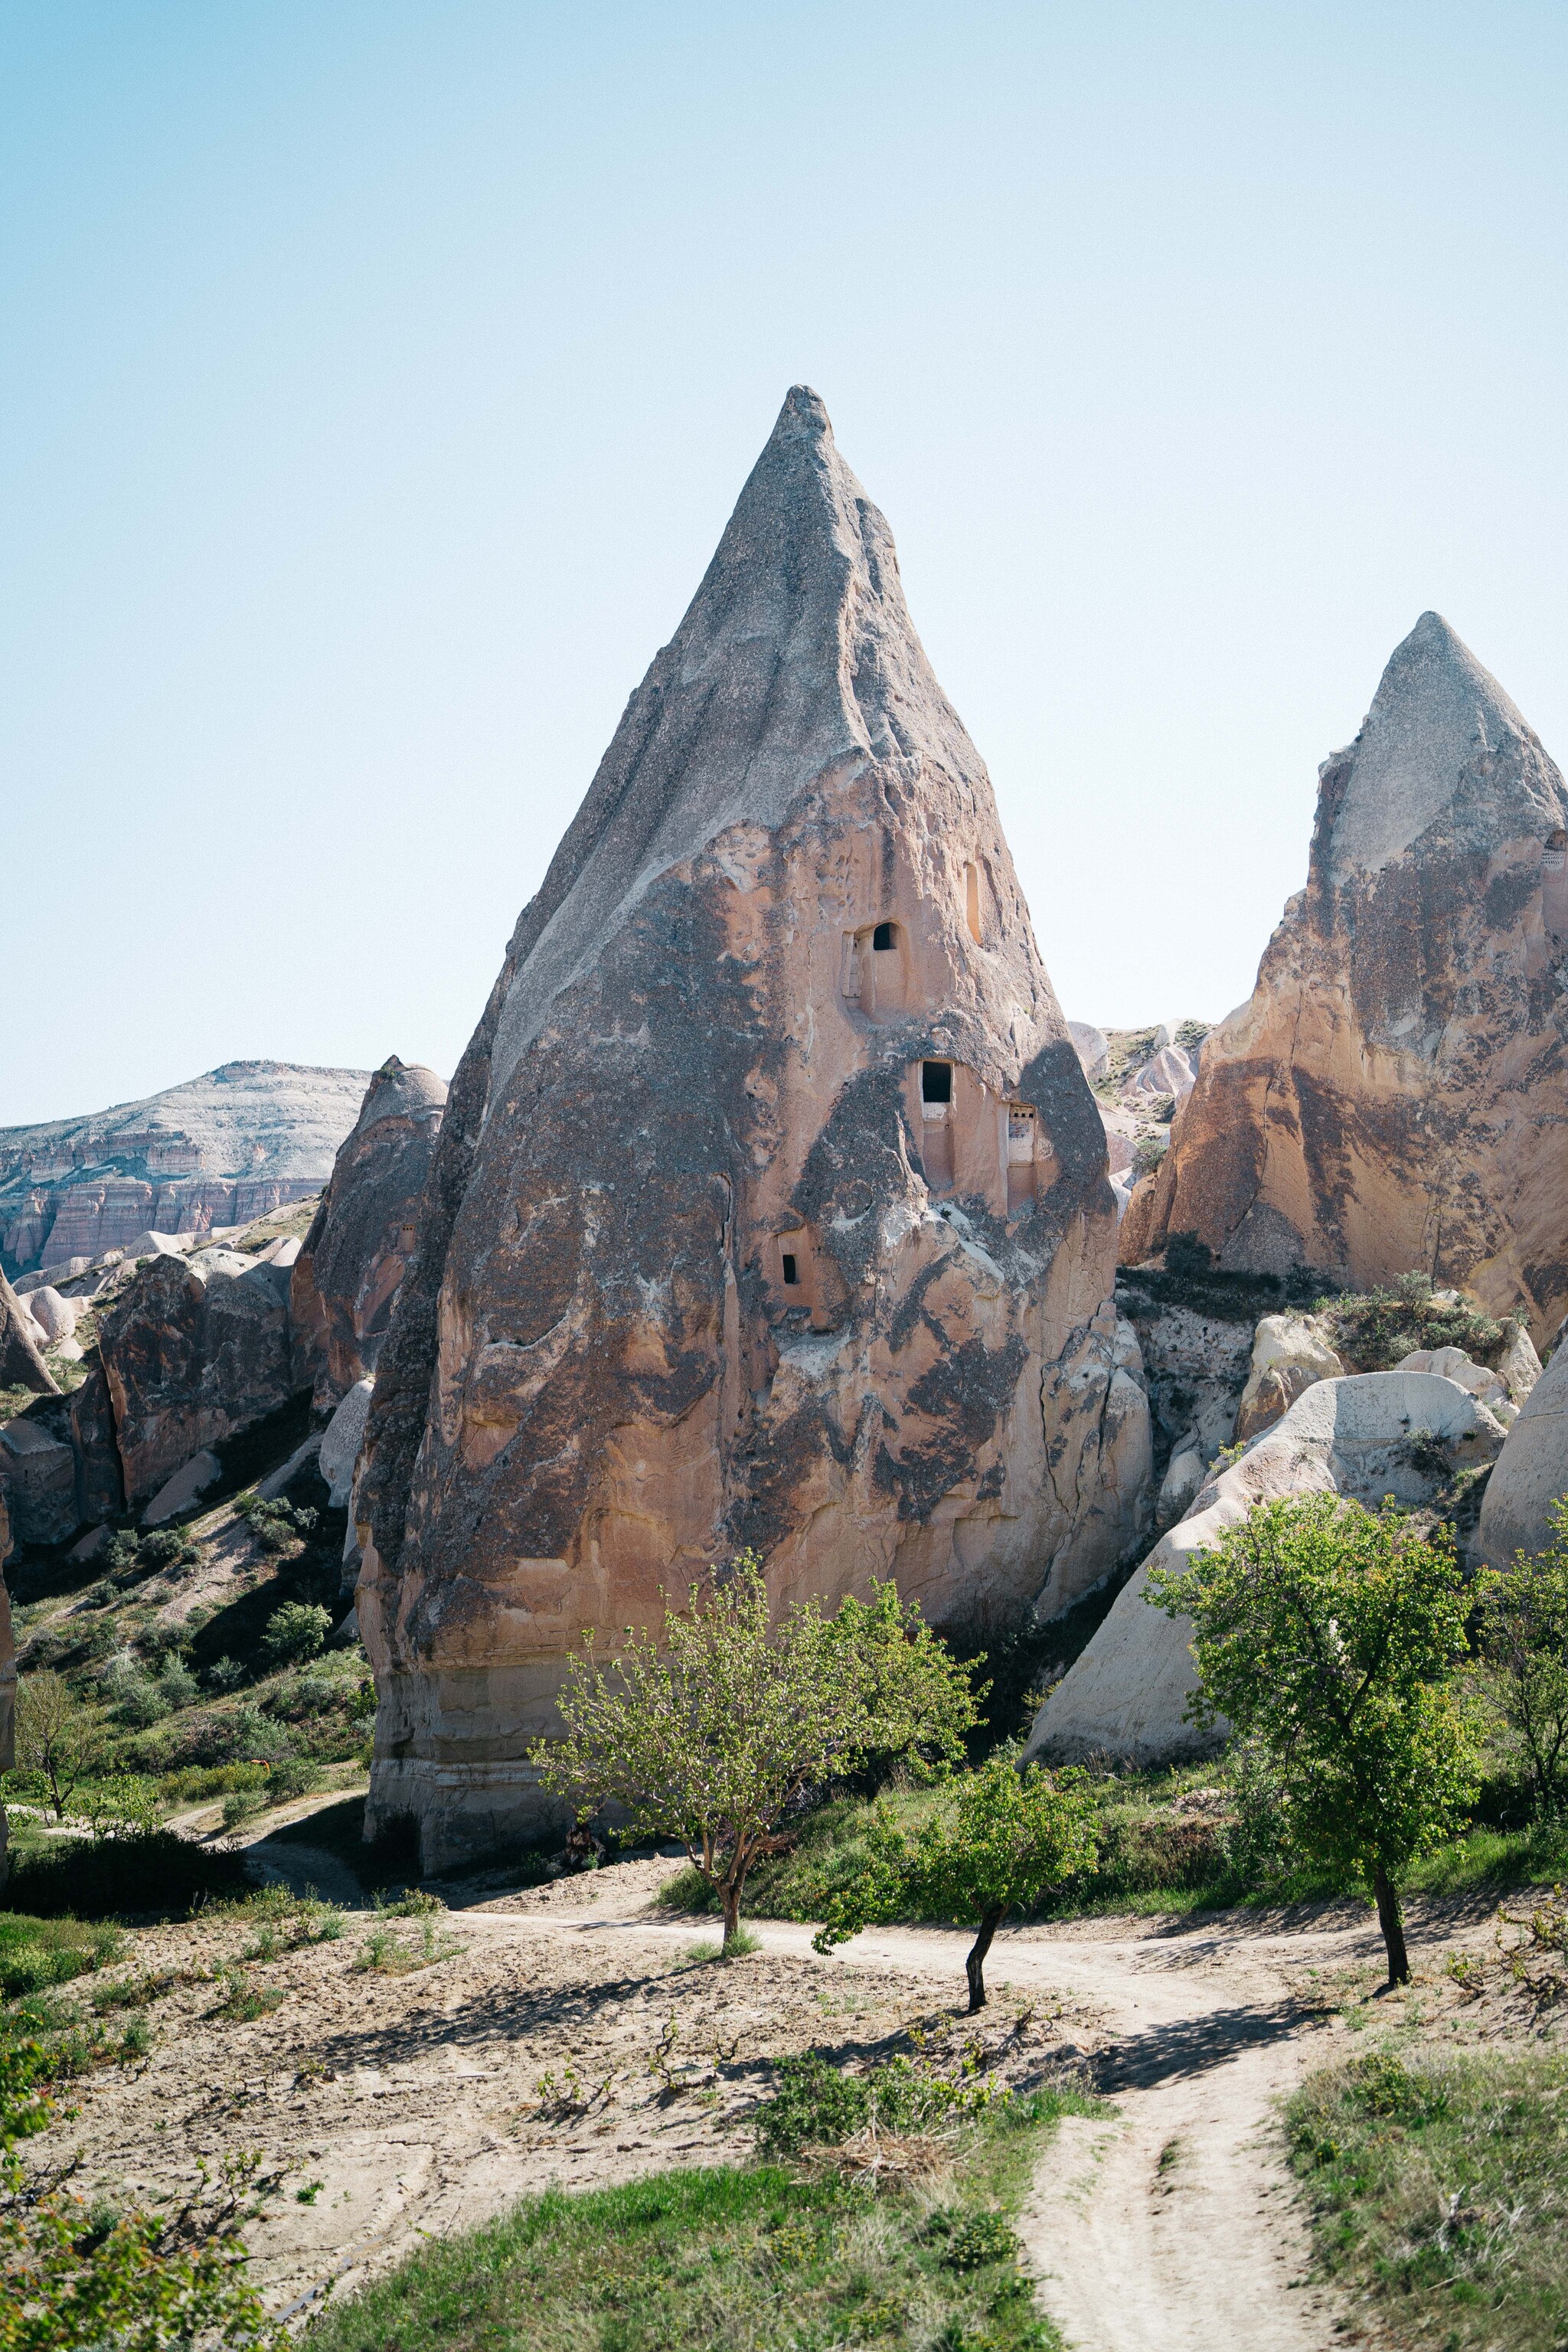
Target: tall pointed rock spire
(1392,1097)
(770,1206)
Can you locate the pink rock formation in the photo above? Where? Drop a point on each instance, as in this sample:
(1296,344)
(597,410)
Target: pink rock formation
(347,1272)
(770,1205)
(1391,1096)
(191,1354)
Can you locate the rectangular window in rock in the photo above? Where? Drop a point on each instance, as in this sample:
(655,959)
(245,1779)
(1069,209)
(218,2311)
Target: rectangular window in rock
(885,939)
(936,1124)
(791,1270)
(936,1082)
(1022,1129)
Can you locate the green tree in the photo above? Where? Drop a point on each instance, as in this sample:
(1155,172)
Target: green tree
(1334,1635)
(298,1630)
(1004,1840)
(57,1737)
(141,2285)
(712,1737)
(1524,1635)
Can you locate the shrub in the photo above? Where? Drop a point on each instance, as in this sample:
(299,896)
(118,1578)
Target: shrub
(1373,1329)
(176,1683)
(298,1630)
(167,1548)
(150,1872)
(226,1674)
(37,1953)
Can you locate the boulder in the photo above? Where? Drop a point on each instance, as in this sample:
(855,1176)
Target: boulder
(1183,1476)
(769,1207)
(346,1276)
(1092,1047)
(1454,1364)
(39,1473)
(1124,1696)
(47,1277)
(22,1365)
(194,1479)
(1531,1475)
(340,1442)
(194,1351)
(1290,1353)
(89,1546)
(1519,1366)
(1391,1096)
(54,1315)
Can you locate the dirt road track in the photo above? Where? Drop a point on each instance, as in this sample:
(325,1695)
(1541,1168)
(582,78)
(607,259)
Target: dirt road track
(1171,2228)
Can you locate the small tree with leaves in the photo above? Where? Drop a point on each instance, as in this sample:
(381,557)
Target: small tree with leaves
(1001,1845)
(145,2284)
(57,1737)
(1334,1635)
(1524,1636)
(711,1736)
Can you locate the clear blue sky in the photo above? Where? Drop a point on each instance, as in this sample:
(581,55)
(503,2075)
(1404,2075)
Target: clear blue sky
(378,378)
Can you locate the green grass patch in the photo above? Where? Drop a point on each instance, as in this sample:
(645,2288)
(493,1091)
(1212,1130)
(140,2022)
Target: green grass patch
(759,2256)
(37,1953)
(1438,2186)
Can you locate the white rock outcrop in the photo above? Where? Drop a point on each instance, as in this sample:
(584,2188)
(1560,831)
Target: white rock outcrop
(1531,1475)
(1290,1353)
(1125,1696)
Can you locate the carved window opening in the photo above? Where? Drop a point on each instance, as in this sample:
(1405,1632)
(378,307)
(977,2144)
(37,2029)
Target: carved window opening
(884,938)
(936,1124)
(876,971)
(1023,1137)
(791,1270)
(1556,851)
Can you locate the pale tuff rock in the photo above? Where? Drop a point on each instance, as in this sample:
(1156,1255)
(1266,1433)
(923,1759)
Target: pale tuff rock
(54,1315)
(770,1203)
(1290,1353)
(1454,1364)
(341,1439)
(1392,1094)
(1519,1366)
(1185,1474)
(1126,1694)
(22,1364)
(195,1478)
(346,1276)
(1166,1073)
(1092,1047)
(1531,1473)
(218,1151)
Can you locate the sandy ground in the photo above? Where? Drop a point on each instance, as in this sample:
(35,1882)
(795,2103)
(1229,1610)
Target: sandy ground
(565,2034)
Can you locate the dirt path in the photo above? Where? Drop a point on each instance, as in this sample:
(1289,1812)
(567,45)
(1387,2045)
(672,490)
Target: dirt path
(1171,2227)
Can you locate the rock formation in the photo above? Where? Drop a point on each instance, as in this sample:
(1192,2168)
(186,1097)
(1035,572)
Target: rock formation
(1531,1474)
(218,1151)
(193,1351)
(1124,1696)
(346,1276)
(1391,1096)
(22,1365)
(770,1205)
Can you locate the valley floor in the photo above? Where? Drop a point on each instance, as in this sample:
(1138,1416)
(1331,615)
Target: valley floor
(412,2075)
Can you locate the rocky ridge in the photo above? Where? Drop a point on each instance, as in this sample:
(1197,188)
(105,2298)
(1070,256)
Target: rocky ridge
(220,1150)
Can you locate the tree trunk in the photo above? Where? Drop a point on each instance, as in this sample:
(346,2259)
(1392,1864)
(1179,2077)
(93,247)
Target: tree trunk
(974,1966)
(730,1897)
(1391,1920)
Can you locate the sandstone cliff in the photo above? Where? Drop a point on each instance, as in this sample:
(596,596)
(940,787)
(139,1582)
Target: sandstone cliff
(770,1205)
(218,1151)
(1392,1097)
(346,1276)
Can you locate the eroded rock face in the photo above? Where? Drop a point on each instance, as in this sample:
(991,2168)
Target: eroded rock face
(770,1205)
(193,1353)
(217,1151)
(346,1275)
(22,1365)
(1391,1096)
(1126,1694)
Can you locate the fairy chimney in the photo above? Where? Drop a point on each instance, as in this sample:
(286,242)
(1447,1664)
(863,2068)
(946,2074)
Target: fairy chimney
(769,1204)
